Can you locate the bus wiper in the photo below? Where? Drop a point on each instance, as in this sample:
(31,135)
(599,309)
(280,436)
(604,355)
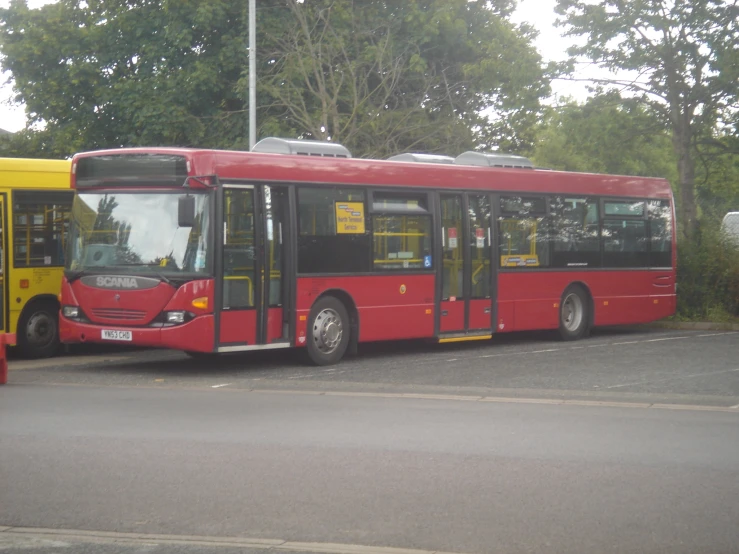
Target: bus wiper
(161,276)
(73,274)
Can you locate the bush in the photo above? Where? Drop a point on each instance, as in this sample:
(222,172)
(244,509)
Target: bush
(708,278)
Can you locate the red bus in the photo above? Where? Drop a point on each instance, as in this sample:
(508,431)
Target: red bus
(296,244)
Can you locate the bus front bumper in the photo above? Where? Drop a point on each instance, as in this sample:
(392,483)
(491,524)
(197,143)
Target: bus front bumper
(196,335)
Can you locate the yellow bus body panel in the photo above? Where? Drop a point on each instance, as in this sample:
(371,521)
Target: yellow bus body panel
(22,284)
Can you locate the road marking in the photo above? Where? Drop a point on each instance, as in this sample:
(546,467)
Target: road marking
(219,386)
(674,377)
(277,545)
(734,407)
(306,375)
(669,338)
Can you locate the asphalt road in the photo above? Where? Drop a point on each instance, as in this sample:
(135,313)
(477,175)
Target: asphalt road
(622,364)
(626,442)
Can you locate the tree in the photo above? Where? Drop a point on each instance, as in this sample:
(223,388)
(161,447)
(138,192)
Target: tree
(417,75)
(106,73)
(606,134)
(685,54)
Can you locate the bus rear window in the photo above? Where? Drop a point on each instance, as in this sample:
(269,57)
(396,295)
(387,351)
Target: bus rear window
(121,169)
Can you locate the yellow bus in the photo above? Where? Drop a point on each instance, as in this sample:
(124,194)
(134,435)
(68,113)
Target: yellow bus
(35,202)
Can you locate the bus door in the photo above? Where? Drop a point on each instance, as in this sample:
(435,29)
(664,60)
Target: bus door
(466,293)
(254,311)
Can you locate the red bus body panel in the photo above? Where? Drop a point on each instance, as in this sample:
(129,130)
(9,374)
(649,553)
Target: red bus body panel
(530,300)
(238,327)
(384,312)
(106,309)
(280,168)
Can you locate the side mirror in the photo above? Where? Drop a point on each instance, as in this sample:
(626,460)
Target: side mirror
(186,211)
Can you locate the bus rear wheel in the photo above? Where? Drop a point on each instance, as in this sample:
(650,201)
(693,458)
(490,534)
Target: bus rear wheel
(328,331)
(574,313)
(38,330)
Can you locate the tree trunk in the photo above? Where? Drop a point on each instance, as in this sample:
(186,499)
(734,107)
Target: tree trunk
(688,220)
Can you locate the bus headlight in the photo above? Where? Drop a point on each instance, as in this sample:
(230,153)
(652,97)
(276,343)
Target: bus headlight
(175,317)
(72,312)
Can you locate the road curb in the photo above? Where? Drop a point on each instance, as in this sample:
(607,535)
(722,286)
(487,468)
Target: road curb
(502,400)
(273,545)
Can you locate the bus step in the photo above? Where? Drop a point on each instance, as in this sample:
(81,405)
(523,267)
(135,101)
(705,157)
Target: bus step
(461,337)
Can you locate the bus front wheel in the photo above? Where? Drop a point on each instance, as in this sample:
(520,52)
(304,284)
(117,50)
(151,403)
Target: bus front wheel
(38,330)
(328,331)
(574,313)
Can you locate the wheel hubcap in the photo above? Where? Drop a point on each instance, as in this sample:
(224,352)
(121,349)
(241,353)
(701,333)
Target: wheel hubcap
(572,312)
(40,330)
(327,331)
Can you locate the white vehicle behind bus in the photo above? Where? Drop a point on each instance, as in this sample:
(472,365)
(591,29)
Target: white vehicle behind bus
(730,227)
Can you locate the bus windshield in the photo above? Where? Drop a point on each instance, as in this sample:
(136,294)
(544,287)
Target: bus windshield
(137,233)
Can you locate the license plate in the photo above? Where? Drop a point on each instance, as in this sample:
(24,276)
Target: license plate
(107,334)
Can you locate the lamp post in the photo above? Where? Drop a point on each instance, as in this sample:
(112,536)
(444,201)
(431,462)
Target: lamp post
(252,73)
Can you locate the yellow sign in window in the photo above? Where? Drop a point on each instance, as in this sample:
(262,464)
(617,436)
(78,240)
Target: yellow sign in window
(349,218)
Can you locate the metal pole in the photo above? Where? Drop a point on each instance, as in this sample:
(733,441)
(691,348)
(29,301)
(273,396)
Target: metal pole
(252,73)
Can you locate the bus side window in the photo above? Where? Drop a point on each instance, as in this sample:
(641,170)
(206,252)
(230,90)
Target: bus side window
(575,231)
(624,234)
(40,227)
(523,231)
(401,232)
(333,231)
(660,233)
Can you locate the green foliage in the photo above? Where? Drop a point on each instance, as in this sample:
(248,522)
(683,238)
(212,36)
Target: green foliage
(708,277)
(106,73)
(381,77)
(717,177)
(606,134)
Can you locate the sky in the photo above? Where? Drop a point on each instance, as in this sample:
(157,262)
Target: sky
(540,13)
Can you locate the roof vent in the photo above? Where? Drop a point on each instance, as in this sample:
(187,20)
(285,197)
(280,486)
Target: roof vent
(273,145)
(423,158)
(494,160)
